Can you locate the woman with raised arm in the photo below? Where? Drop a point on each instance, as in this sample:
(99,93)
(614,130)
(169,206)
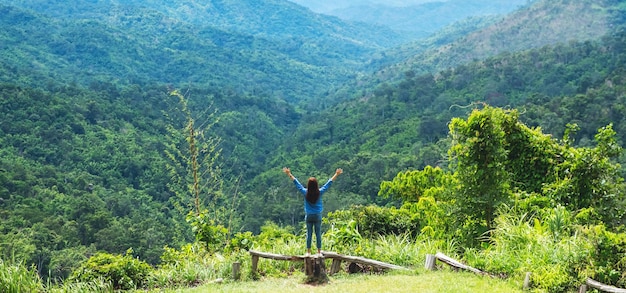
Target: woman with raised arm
(313,206)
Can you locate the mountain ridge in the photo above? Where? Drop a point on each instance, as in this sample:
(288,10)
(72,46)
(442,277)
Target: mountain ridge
(181,52)
(422,20)
(581,20)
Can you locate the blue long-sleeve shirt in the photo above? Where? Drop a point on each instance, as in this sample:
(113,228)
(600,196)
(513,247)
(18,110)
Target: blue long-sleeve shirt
(317,207)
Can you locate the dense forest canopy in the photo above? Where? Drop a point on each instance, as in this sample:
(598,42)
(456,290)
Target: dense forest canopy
(106,108)
(137,44)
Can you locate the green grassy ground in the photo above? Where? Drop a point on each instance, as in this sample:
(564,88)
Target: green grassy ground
(426,281)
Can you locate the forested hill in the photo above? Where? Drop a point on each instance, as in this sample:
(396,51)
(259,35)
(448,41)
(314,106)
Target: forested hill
(405,127)
(274,19)
(270,47)
(90,114)
(394,126)
(541,23)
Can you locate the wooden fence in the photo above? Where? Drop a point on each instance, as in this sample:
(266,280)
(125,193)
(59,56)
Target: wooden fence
(431,262)
(602,287)
(314,266)
(334,268)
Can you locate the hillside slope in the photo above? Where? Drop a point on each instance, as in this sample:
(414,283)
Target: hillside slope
(539,24)
(392,126)
(276,48)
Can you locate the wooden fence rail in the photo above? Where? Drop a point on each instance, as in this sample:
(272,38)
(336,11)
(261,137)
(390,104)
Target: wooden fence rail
(602,287)
(430,263)
(361,260)
(336,264)
(431,259)
(314,265)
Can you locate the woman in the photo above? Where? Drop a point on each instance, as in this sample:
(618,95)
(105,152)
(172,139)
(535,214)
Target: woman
(313,207)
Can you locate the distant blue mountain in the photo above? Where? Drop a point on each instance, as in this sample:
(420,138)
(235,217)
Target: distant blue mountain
(416,18)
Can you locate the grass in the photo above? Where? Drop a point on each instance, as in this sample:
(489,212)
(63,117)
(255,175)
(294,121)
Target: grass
(425,281)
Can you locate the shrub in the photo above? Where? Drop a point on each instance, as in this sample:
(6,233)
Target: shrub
(207,231)
(373,221)
(608,258)
(343,235)
(122,272)
(240,241)
(272,235)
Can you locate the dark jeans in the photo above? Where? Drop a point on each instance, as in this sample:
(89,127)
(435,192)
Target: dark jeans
(313,221)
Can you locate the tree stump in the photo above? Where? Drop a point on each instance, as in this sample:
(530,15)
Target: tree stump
(315,270)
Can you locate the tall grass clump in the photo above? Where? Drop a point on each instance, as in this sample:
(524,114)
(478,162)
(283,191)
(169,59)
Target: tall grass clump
(548,248)
(19,278)
(94,286)
(344,237)
(188,266)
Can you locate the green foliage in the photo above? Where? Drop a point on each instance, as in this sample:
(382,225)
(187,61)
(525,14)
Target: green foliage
(253,47)
(608,255)
(588,178)
(241,241)
(343,235)
(372,221)
(16,278)
(190,265)
(64,262)
(122,272)
(411,185)
(207,231)
(479,150)
(273,234)
(552,253)
(194,160)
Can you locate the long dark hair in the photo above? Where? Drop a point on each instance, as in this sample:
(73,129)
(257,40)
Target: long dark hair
(312,191)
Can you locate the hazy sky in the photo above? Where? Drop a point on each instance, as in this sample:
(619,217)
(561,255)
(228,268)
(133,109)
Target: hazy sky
(329,5)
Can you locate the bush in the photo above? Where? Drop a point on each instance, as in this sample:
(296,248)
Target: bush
(122,272)
(240,241)
(608,259)
(207,231)
(373,221)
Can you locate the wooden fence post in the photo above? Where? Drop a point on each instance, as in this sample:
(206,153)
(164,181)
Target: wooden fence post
(236,269)
(255,262)
(335,267)
(430,262)
(526,281)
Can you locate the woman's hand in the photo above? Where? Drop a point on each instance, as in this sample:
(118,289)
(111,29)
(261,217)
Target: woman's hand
(337,172)
(288,172)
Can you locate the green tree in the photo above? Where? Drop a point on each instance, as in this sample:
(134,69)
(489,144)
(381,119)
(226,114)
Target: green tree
(479,155)
(409,186)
